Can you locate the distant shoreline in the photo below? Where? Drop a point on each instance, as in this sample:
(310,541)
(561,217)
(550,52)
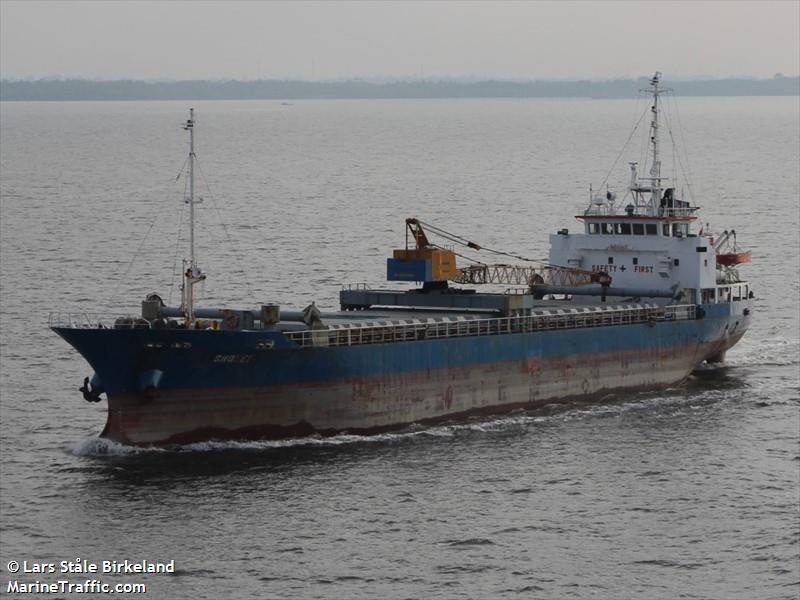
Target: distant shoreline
(121,90)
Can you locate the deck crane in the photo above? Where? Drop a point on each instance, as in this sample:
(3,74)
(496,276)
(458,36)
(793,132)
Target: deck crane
(423,260)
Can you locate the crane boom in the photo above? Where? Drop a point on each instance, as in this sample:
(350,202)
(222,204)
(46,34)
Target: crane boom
(530,276)
(427,261)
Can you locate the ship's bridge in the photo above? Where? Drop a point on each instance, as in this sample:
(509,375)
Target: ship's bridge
(672,226)
(640,250)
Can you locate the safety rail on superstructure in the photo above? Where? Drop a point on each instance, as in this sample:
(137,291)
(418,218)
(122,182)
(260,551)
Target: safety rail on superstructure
(611,211)
(384,334)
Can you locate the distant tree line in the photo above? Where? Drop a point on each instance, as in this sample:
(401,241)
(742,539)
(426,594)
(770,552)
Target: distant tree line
(84,89)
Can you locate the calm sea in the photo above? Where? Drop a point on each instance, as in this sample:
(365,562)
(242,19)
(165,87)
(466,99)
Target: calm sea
(692,492)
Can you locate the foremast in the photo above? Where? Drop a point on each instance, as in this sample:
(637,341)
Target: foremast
(192,274)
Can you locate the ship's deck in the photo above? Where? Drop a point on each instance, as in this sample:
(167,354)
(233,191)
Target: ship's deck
(405,314)
(386,326)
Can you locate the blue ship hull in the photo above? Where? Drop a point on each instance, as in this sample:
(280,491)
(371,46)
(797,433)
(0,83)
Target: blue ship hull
(168,386)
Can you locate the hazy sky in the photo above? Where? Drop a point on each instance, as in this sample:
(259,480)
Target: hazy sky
(531,40)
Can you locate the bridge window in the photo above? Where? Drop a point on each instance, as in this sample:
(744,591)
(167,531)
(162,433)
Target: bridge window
(606,228)
(594,228)
(680,229)
(623,228)
(651,229)
(635,260)
(638,229)
(611,260)
(665,229)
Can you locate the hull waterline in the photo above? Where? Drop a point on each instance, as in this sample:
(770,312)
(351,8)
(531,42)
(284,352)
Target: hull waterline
(368,390)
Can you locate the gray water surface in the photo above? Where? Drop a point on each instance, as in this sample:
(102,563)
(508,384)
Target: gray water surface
(692,492)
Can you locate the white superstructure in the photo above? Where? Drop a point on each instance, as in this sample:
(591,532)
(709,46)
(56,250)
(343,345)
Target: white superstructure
(648,239)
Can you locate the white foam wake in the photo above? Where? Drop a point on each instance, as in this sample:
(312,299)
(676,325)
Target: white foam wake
(673,399)
(769,352)
(103,447)
(97,446)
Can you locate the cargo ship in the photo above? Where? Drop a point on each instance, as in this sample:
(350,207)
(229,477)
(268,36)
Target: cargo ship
(636,300)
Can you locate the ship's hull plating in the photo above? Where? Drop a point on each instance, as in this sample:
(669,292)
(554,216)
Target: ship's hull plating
(221,388)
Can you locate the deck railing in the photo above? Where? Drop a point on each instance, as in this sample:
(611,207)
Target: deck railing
(355,287)
(385,334)
(95,321)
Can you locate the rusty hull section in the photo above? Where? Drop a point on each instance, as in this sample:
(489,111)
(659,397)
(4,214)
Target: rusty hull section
(393,401)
